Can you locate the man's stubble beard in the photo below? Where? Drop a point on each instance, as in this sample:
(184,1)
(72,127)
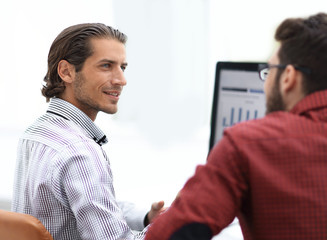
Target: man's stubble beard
(275,101)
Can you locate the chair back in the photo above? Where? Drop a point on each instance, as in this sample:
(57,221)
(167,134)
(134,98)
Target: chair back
(19,226)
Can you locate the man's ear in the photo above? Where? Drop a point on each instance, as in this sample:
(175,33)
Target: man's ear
(66,71)
(289,79)
(291,86)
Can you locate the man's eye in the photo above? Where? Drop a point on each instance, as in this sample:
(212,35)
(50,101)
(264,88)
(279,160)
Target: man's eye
(123,68)
(106,65)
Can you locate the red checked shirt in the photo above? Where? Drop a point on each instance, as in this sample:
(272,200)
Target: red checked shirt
(271,173)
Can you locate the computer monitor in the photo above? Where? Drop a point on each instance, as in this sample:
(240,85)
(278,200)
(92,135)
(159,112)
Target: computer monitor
(238,96)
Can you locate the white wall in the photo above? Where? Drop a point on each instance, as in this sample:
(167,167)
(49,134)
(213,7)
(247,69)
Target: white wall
(166,98)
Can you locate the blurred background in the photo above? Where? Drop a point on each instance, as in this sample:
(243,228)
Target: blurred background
(161,131)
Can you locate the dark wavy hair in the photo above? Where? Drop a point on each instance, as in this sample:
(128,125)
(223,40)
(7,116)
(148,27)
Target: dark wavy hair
(73,45)
(304,44)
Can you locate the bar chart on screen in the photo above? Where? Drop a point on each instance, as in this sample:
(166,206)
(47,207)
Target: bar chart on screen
(236,108)
(239,114)
(239,96)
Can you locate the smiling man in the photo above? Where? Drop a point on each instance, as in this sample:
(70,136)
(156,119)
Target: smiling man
(63,175)
(98,85)
(271,172)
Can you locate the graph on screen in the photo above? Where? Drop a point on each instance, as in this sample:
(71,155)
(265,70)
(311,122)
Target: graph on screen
(239,115)
(236,106)
(238,97)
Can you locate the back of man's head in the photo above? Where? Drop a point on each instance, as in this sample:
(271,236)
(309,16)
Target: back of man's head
(304,44)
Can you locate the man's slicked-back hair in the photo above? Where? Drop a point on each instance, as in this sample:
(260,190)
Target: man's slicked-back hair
(304,44)
(73,45)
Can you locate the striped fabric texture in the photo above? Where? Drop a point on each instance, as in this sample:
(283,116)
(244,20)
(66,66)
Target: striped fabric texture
(63,177)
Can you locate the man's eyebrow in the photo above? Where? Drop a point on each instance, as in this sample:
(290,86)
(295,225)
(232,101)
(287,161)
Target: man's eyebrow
(112,62)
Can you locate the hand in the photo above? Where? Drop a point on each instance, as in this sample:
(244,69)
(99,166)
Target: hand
(156,209)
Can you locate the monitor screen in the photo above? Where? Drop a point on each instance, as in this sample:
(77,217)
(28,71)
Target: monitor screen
(238,96)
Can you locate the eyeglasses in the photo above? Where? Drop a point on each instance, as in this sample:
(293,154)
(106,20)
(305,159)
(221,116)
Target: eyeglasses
(264,68)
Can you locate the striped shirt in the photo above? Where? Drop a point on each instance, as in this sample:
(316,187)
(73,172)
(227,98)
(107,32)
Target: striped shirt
(63,177)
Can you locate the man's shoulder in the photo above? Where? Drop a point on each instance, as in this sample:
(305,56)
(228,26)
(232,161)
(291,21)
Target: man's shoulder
(271,125)
(54,131)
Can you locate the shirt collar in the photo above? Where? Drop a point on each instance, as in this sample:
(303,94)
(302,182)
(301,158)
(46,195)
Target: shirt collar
(69,112)
(312,101)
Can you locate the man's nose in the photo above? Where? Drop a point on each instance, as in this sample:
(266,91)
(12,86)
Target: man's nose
(119,78)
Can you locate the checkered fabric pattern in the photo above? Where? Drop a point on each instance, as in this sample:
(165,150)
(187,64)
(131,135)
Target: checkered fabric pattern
(271,173)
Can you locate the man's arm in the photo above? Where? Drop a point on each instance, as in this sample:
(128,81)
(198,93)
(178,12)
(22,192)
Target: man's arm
(138,218)
(208,202)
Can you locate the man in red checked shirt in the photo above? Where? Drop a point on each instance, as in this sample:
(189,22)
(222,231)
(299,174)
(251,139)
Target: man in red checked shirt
(271,173)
